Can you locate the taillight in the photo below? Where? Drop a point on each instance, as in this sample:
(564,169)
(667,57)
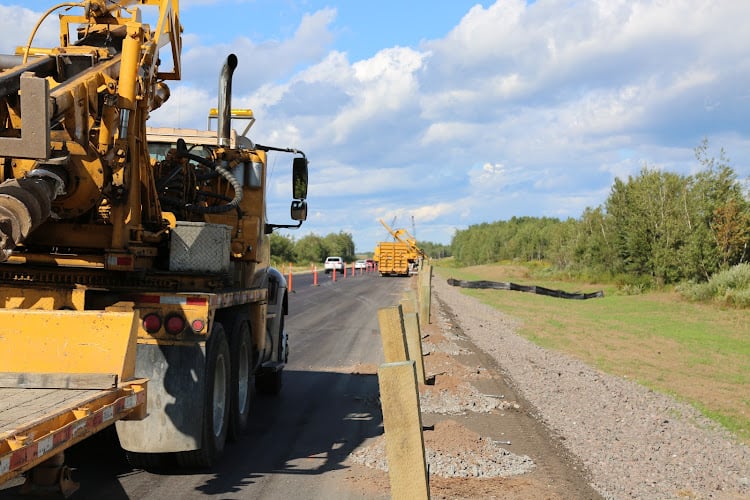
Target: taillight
(198,325)
(174,324)
(152,323)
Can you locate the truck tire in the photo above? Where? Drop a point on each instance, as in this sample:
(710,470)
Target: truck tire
(243,380)
(216,403)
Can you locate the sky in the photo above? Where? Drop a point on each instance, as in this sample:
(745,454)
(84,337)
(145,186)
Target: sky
(437,115)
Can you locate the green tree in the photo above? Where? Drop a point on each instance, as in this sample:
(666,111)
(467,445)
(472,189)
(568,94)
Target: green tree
(659,225)
(647,218)
(310,249)
(594,243)
(435,250)
(731,227)
(282,249)
(718,214)
(341,244)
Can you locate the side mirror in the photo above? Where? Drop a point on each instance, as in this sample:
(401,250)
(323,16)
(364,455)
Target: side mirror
(299,210)
(299,181)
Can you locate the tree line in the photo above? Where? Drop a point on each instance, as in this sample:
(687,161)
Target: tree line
(313,248)
(656,227)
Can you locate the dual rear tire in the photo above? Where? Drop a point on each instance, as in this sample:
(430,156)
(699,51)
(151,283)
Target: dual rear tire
(229,390)
(216,403)
(242,380)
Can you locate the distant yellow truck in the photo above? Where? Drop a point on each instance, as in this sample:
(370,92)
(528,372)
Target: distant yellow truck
(393,258)
(400,257)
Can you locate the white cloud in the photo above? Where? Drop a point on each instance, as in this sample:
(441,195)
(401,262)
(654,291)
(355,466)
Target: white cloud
(381,85)
(16,25)
(520,109)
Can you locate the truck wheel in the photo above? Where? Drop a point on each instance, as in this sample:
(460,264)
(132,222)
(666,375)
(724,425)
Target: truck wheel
(243,383)
(215,403)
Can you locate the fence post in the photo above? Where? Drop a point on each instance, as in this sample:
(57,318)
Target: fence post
(391,323)
(425,293)
(414,343)
(402,421)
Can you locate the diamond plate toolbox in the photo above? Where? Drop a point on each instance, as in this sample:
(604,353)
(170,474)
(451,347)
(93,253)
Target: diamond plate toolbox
(200,246)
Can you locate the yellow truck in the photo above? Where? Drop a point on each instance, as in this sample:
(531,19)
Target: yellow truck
(392,258)
(135,277)
(400,257)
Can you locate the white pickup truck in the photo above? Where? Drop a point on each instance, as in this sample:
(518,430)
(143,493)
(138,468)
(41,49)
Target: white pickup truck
(332,263)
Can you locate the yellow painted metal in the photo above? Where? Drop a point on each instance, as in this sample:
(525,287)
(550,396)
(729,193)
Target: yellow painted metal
(393,257)
(35,441)
(90,261)
(258,316)
(41,298)
(235,113)
(35,341)
(131,50)
(190,312)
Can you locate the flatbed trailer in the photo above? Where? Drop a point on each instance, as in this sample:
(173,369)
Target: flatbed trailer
(36,424)
(66,375)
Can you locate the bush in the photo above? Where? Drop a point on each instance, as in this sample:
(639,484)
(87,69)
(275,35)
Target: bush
(734,278)
(698,292)
(730,287)
(738,298)
(633,284)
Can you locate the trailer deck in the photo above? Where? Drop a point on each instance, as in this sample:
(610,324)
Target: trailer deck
(37,424)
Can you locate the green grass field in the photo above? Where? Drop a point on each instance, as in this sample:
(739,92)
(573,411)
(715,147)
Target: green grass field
(698,353)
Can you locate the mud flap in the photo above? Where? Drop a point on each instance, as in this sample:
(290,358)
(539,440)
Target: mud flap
(175,400)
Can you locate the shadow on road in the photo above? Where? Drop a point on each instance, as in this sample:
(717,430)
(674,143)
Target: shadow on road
(320,418)
(309,429)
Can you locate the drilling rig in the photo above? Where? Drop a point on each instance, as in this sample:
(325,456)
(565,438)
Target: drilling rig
(134,263)
(400,257)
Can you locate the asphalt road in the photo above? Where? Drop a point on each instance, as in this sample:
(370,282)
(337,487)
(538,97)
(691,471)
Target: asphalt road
(297,441)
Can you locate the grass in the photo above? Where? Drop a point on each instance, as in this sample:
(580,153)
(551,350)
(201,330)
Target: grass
(699,353)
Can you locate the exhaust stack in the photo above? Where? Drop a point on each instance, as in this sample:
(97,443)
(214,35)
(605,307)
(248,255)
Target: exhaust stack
(225,100)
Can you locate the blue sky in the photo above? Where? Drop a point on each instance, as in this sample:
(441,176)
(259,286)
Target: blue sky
(455,113)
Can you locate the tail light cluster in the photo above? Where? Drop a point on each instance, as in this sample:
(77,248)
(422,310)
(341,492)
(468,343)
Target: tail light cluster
(174,323)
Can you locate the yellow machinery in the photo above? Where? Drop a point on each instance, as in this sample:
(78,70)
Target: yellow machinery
(130,258)
(400,257)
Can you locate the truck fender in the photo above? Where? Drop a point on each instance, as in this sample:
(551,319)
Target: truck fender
(278,306)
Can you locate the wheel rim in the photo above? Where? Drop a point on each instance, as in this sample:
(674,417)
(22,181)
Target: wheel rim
(220,393)
(243,377)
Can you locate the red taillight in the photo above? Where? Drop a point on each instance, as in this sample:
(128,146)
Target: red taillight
(152,323)
(198,325)
(175,324)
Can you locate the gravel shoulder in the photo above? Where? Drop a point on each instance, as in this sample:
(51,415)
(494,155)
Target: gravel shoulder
(632,442)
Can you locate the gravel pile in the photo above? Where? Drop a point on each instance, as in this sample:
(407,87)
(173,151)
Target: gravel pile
(634,442)
(463,398)
(454,451)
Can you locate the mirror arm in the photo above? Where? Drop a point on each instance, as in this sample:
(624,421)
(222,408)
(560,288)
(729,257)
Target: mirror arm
(270,227)
(283,150)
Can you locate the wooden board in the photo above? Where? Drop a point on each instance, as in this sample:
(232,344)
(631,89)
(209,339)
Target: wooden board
(58,380)
(22,406)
